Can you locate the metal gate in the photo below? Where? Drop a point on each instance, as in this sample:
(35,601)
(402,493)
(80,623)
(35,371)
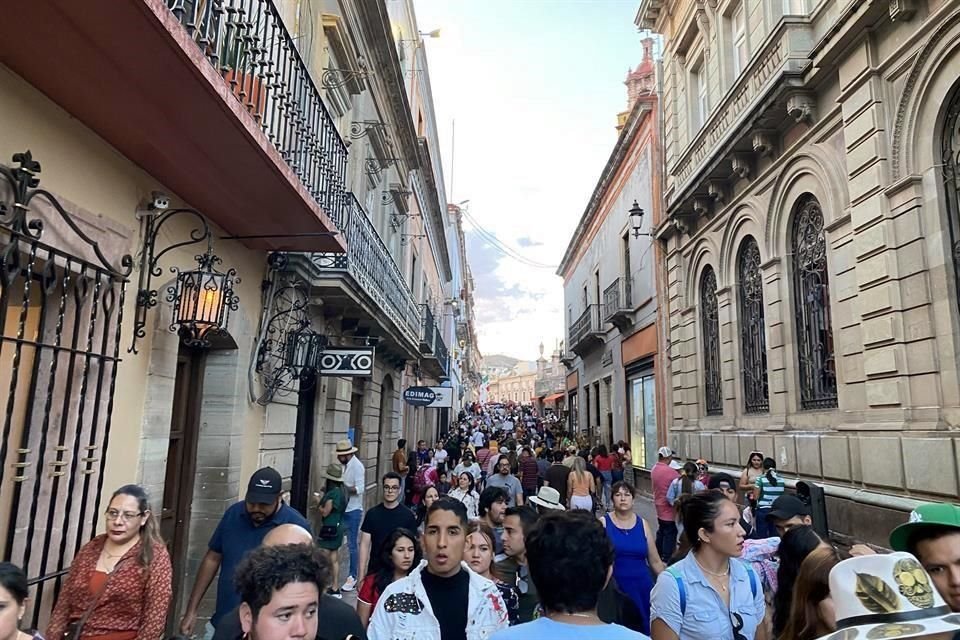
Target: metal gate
(61,308)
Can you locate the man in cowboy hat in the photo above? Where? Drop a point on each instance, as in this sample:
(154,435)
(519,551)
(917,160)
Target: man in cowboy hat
(933,536)
(888,596)
(353,475)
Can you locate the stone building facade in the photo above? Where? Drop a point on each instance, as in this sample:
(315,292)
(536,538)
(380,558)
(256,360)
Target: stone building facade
(611,290)
(810,154)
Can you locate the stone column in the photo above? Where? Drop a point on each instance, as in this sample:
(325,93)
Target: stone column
(775,309)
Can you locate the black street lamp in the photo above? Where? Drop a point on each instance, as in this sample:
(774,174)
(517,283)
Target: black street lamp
(304,347)
(636,218)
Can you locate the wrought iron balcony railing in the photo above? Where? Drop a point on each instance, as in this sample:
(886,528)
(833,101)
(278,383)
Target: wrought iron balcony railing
(587,325)
(370,264)
(616,297)
(248,43)
(428,336)
(441,353)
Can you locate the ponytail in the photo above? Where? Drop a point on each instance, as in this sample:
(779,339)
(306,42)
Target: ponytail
(770,465)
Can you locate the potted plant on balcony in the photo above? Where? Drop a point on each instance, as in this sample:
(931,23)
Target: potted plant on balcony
(239,68)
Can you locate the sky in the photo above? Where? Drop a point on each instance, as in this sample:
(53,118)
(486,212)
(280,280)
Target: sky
(526,94)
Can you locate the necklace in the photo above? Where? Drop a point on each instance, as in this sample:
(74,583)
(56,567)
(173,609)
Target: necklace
(723,586)
(574,615)
(614,519)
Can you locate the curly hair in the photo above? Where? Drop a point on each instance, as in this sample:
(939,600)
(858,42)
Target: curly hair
(266,570)
(569,556)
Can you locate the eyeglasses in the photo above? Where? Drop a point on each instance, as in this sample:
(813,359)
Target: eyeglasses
(737,623)
(126,516)
(391,487)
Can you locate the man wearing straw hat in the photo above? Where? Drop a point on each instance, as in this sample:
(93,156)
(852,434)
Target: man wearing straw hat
(353,475)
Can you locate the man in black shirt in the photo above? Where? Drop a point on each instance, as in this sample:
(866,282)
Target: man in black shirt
(336,619)
(380,521)
(556,476)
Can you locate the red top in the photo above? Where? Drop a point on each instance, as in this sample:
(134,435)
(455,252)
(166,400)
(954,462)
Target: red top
(603,463)
(133,606)
(368,593)
(661,476)
(529,471)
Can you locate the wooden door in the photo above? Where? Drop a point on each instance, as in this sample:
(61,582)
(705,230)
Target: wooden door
(182,463)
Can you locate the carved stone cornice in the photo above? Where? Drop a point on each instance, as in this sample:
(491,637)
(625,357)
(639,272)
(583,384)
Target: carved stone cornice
(763,143)
(717,189)
(701,207)
(802,107)
(902,10)
(741,165)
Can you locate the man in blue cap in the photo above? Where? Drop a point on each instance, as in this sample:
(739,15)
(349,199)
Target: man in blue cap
(242,528)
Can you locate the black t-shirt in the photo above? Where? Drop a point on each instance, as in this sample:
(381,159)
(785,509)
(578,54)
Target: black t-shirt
(449,598)
(380,522)
(336,620)
(557,475)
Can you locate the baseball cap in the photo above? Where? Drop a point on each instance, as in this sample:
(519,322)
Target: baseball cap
(788,506)
(664,452)
(264,486)
(932,514)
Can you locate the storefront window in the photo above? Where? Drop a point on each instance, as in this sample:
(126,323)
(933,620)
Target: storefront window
(643,420)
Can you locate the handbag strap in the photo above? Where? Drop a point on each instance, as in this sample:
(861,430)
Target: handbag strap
(95,601)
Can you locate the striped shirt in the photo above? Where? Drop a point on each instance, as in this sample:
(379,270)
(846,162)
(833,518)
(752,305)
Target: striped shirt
(768,491)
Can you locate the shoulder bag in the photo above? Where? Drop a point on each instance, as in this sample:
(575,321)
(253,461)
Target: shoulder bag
(75,628)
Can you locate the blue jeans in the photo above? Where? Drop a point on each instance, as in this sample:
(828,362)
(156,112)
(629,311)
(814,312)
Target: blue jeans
(352,519)
(762,528)
(607,486)
(666,538)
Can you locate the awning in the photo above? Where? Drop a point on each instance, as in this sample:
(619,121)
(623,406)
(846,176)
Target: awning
(554,397)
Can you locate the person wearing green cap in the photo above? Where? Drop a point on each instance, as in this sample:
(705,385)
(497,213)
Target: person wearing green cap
(932,534)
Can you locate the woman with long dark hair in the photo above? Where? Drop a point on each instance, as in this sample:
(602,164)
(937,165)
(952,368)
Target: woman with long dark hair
(119,583)
(749,475)
(466,493)
(795,546)
(399,555)
(812,614)
(427,498)
(14,594)
(686,484)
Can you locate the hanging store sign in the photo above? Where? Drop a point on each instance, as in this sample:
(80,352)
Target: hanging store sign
(346,362)
(437,397)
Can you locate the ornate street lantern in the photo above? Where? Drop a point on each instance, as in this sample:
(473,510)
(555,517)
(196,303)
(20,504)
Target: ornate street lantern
(202,300)
(304,347)
(636,218)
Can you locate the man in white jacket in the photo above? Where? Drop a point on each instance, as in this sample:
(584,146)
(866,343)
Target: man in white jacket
(442,599)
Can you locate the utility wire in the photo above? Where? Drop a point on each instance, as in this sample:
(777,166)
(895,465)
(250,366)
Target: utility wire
(503,248)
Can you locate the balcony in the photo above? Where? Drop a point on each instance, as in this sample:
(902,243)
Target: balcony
(767,99)
(586,333)
(214,102)
(366,284)
(617,307)
(436,360)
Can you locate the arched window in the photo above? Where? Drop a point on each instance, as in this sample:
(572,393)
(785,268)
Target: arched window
(753,340)
(811,290)
(711,342)
(951,171)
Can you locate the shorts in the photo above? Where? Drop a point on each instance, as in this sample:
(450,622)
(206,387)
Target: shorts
(581,502)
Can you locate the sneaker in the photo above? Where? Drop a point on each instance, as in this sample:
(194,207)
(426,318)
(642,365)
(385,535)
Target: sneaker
(350,584)
(335,593)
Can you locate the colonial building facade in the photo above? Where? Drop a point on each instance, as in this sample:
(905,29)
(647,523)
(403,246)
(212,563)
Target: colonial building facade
(296,152)
(810,153)
(611,289)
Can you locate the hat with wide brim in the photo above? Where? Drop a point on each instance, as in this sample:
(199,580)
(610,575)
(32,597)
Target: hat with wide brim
(334,471)
(344,447)
(549,498)
(885,596)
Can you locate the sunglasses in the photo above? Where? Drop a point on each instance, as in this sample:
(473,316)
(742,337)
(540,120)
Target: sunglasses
(737,623)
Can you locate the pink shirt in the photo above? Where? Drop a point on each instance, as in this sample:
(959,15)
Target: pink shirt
(661,476)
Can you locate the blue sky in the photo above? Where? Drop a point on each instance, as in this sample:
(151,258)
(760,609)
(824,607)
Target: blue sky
(534,87)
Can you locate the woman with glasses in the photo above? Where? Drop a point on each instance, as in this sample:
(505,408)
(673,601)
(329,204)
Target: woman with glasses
(710,593)
(119,583)
(466,494)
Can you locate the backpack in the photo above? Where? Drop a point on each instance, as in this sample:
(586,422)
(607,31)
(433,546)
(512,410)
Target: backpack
(421,480)
(682,588)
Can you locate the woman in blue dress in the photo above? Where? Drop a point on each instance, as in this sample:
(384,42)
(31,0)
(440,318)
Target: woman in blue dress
(633,568)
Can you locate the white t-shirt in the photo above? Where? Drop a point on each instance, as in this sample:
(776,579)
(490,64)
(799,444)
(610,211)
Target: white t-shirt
(440,457)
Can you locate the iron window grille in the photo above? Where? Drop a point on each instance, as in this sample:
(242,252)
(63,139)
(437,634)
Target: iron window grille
(753,341)
(710,323)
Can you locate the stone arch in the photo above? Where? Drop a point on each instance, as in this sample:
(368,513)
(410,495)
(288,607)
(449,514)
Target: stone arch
(745,221)
(814,171)
(704,253)
(919,111)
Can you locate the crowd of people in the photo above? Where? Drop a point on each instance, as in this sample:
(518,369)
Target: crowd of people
(508,549)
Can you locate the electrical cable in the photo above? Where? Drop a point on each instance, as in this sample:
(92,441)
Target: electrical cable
(503,248)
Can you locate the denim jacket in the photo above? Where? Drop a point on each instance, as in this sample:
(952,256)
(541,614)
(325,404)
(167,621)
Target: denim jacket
(486,612)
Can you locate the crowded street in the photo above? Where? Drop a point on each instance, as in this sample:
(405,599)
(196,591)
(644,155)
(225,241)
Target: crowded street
(480,320)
